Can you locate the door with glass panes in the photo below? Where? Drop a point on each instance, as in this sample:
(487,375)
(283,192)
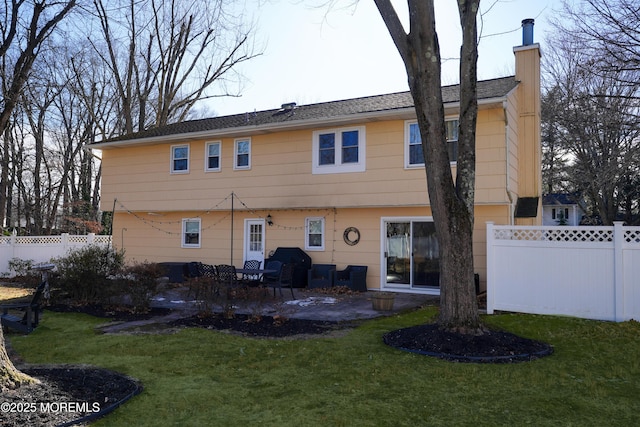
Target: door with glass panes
(411,258)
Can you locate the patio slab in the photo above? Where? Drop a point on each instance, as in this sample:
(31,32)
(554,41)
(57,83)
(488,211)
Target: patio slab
(305,304)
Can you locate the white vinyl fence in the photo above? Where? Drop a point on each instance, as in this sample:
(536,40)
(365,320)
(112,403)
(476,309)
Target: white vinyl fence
(40,249)
(587,272)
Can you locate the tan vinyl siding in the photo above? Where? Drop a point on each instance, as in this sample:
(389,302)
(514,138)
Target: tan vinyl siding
(158,237)
(281,173)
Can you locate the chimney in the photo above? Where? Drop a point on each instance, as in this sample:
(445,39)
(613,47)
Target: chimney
(527,31)
(527,64)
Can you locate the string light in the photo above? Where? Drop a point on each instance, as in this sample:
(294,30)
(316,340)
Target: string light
(156,224)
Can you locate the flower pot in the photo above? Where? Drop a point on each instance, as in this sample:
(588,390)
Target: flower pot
(383,301)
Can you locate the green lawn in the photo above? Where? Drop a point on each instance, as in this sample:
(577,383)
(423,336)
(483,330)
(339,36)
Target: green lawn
(209,378)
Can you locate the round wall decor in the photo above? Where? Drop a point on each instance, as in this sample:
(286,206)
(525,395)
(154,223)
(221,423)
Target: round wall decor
(351,236)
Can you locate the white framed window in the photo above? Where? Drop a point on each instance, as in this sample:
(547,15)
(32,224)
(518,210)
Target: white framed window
(191,232)
(212,156)
(413,156)
(339,150)
(180,158)
(242,154)
(314,234)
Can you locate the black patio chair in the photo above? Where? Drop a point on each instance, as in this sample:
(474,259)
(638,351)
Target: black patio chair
(252,264)
(270,277)
(321,276)
(31,317)
(227,274)
(284,279)
(354,277)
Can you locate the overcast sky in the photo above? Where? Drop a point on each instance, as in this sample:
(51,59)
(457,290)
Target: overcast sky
(313,56)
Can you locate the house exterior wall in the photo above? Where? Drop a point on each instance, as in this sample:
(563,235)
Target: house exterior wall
(573,218)
(281,173)
(157,237)
(151,202)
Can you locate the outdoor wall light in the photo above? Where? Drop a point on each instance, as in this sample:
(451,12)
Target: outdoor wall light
(269,220)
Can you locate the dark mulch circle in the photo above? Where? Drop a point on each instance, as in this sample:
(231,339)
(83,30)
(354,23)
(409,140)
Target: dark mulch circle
(68,395)
(491,347)
(264,326)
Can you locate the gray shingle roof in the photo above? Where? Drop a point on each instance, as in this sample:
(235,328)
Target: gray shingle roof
(487,89)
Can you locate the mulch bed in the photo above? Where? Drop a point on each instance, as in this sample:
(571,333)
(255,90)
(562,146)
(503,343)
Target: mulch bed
(490,347)
(264,326)
(68,395)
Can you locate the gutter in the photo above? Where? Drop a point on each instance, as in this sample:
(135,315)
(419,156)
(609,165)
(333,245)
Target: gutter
(506,163)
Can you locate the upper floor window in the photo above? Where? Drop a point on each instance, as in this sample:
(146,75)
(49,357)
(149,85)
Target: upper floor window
(242,154)
(413,143)
(314,230)
(339,150)
(191,233)
(212,157)
(179,158)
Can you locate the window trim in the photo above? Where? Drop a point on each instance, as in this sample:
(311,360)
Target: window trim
(183,234)
(307,221)
(206,156)
(338,166)
(173,159)
(235,154)
(407,144)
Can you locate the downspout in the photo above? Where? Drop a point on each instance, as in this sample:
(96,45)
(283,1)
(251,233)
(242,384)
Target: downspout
(506,162)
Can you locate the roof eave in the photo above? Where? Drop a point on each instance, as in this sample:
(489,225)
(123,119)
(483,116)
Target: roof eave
(400,114)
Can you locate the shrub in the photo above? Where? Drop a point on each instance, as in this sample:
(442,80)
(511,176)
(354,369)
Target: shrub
(206,293)
(139,281)
(84,274)
(20,270)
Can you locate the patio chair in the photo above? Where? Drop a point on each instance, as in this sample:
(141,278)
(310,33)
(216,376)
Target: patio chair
(285,279)
(252,264)
(207,270)
(321,275)
(354,277)
(227,274)
(27,322)
(271,277)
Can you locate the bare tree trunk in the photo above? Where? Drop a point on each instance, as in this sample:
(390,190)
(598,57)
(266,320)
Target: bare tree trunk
(35,34)
(451,203)
(10,377)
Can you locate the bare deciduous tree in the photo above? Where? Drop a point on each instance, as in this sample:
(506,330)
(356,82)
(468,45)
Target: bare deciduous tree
(164,57)
(19,49)
(590,109)
(452,202)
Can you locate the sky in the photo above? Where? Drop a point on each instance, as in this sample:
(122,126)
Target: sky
(315,55)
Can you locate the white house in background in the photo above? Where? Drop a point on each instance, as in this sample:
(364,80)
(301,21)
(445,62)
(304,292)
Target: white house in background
(562,209)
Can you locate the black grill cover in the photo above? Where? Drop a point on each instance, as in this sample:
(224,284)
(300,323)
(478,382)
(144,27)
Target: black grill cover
(299,258)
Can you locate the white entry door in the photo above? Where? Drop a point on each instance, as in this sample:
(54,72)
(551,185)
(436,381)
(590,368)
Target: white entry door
(254,240)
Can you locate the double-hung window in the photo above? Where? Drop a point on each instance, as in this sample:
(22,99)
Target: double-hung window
(242,154)
(413,143)
(212,157)
(180,158)
(191,231)
(339,150)
(314,234)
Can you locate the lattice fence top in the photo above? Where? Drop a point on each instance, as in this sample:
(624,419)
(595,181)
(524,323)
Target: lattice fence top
(38,240)
(632,236)
(556,234)
(72,239)
(77,239)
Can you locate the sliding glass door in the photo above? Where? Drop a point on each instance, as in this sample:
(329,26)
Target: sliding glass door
(410,251)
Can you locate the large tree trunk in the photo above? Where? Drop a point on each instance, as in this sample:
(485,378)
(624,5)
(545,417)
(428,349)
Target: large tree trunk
(452,203)
(10,377)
